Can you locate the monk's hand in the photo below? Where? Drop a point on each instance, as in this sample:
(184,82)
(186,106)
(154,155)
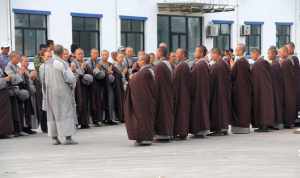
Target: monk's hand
(33,75)
(8,78)
(22,70)
(110,71)
(125,71)
(98,66)
(83,65)
(73,67)
(231,63)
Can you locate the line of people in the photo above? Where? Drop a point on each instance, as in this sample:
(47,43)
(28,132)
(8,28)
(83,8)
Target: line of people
(172,97)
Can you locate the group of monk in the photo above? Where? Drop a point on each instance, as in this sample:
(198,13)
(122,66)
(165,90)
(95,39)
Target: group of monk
(160,96)
(173,96)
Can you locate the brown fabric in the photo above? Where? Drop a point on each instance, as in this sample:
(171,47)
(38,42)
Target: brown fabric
(6,119)
(220,106)
(200,96)
(119,94)
(140,106)
(289,94)
(164,122)
(241,93)
(41,116)
(263,98)
(297,80)
(277,82)
(82,98)
(182,93)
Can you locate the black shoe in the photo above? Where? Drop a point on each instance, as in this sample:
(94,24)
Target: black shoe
(260,130)
(220,133)
(29,131)
(84,127)
(111,123)
(96,124)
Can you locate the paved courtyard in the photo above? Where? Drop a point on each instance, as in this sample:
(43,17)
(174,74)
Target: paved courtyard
(106,153)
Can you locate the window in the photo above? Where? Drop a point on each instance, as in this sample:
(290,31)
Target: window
(283,34)
(30,32)
(223,40)
(86,33)
(180,32)
(132,34)
(254,39)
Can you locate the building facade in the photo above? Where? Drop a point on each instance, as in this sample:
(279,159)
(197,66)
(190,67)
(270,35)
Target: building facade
(142,24)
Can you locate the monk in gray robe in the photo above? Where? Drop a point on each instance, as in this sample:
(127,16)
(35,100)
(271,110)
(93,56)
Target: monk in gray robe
(61,110)
(18,95)
(241,93)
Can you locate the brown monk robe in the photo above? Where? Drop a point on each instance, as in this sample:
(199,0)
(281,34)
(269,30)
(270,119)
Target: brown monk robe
(164,121)
(182,94)
(295,60)
(241,93)
(289,88)
(82,90)
(263,98)
(220,105)
(277,82)
(140,104)
(6,119)
(200,94)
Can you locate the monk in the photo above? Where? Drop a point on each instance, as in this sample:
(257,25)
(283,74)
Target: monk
(200,94)
(182,95)
(277,82)
(220,105)
(140,104)
(263,97)
(241,93)
(164,121)
(289,88)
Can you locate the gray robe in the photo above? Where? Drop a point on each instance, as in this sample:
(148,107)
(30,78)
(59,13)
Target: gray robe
(61,108)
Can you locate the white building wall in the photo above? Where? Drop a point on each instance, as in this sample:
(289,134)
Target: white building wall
(267,11)
(60,20)
(4,22)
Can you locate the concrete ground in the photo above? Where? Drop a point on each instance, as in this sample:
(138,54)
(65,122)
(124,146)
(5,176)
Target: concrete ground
(106,153)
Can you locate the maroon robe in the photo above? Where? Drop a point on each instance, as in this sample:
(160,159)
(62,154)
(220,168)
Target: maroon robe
(140,106)
(289,92)
(277,82)
(200,97)
(82,98)
(263,97)
(241,94)
(119,94)
(297,81)
(182,94)
(164,121)
(220,106)
(6,118)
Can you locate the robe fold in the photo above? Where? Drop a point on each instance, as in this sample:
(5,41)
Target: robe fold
(241,94)
(140,105)
(277,82)
(164,121)
(297,81)
(263,97)
(119,94)
(289,92)
(182,95)
(200,97)
(6,118)
(220,105)
(82,95)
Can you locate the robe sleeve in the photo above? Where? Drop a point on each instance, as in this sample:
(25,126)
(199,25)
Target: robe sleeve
(3,83)
(68,75)
(15,78)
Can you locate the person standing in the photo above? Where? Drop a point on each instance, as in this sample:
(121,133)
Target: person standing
(220,105)
(241,93)
(200,94)
(4,56)
(61,112)
(140,104)
(182,95)
(263,97)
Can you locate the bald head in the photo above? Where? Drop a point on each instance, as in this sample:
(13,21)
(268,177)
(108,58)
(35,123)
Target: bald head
(283,52)
(79,54)
(240,49)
